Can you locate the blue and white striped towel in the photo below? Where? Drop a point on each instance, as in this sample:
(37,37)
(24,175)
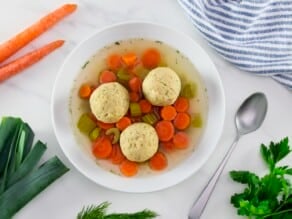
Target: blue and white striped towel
(254,35)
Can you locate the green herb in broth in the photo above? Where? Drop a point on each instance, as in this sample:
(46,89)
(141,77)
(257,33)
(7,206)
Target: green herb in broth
(85,64)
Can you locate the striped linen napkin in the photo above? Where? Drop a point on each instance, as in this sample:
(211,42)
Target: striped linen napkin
(254,35)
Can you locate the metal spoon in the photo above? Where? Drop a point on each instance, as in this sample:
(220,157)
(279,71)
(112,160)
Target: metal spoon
(249,117)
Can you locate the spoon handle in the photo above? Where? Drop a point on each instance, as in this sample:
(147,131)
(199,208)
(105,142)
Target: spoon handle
(200,204)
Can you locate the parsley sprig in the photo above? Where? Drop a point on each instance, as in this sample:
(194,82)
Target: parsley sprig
(270,196)
(99,212)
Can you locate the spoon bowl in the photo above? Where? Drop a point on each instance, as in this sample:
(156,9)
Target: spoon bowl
(250,115)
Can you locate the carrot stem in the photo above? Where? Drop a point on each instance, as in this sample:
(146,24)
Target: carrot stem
(14,67)
(14,44)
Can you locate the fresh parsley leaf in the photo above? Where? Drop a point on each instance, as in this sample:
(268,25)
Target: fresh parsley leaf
(275,152)
(270,196)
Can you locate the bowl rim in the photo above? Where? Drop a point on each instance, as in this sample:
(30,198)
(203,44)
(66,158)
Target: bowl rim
(124,184)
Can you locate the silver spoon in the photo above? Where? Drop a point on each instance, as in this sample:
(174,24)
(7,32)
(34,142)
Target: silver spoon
(249,117)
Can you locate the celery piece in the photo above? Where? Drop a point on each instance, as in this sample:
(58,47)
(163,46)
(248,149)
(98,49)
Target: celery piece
(141,71)
(86,124)
(135,109)
(20,193)
(123,75)
(150,118)
(115,132)
(94,134)
(197,121)
(189,90)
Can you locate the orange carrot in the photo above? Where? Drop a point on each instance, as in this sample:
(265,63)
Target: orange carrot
(168,113)
(102,147)
(107,76)
(180,140)
(167,146)
(165,130)
(182,121)
(14,67)
(181,104)
(114,62)
(151,58)
(85,91)
(123,123)
(128,168)
(145,106)
(135,84)
(134,96)
(117,156)
(158,161)
(105,126)
(129,59)
(10,47)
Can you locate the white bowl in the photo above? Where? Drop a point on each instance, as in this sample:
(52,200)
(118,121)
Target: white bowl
(62,120)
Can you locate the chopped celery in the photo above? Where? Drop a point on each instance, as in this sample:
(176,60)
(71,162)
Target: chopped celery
(86,124)
(141,71)
(135,109)
(15,197)
(197,121)
(115,132)
(94,134)
(189,90)
(150,118)
(123,75)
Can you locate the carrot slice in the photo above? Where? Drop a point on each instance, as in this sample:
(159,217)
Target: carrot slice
(165,130)
(14,44)
(114,62)
(182,121)
(145,106)
(107,76)
(134,96)
(105,126)
(85,91)
(123,123)
(129,168)
(158,161)
(167,146)
(129,59)
(135,84)
(14,67)
(151,58)
(102,148)
(168,113)
(181,104)
(117,156)
(180,140)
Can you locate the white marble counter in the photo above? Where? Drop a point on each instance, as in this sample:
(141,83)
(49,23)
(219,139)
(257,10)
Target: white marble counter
(28,95)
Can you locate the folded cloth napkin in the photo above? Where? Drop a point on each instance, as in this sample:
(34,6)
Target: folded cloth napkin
(254,35)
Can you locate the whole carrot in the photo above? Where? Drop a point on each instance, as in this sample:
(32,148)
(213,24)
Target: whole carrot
(11,46)
(27,60)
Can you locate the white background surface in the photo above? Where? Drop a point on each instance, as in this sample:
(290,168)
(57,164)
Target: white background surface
(27,95)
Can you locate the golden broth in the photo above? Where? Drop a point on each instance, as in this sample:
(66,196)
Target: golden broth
(171,58)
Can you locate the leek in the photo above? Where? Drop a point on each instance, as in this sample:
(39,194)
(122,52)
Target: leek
(20,180)
(14,198)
